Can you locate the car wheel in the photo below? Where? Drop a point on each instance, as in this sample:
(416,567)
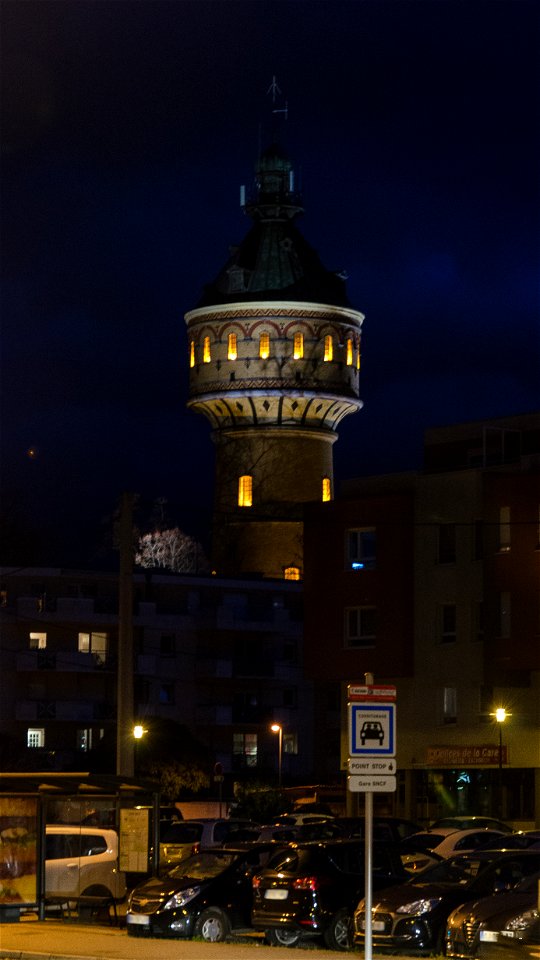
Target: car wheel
(212,925)
(283,937)
(337,935)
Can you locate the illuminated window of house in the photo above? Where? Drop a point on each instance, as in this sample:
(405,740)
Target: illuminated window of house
(232,352)
(358,358)
(264,346)
(87,738)
(349,352)
(95,643)
(360,626)
(244,750)
(35,737)
(504,529)
(328,348)
(326,489)
(245,491)
(38,641)
(298,346)
(291,573)
(360,545)
(206,350)
(192,353)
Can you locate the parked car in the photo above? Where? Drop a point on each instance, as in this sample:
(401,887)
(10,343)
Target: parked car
(446,840)
(295,819)
(515,937)
(82,861)
(521,840)
(468,923)
(181,838)
(310,889)
(468,822)
(207,895)
(384,828)
(309,830)
(412,916)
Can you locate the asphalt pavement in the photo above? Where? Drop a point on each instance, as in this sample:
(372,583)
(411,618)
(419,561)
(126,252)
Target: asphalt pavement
(33,939)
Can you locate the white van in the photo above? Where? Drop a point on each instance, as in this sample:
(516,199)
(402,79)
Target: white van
(82,861)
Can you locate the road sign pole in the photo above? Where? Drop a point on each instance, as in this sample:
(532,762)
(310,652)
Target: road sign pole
(368,855)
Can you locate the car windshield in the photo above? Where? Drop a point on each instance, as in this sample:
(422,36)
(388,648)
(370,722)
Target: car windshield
(202,866)
(454,870)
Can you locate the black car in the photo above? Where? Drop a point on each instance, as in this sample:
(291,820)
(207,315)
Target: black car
(310,889)
(412,917)
(471,924)
(515,937)
(207,895)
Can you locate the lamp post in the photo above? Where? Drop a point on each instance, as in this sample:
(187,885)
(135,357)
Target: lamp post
(277,728)
(500,717)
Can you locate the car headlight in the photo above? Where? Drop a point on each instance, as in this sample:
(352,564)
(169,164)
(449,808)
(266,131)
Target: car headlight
(419,906)
(181,898)
(522,921)
(361,908)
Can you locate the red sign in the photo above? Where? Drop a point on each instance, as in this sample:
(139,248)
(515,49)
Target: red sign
(371,692)
(483,755)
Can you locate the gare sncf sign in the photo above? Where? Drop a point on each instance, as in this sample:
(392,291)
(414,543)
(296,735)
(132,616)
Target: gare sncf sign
(487,754)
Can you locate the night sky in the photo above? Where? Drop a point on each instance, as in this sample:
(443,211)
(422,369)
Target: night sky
(128,128)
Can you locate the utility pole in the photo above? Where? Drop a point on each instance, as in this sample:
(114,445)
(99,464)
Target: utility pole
(124,687)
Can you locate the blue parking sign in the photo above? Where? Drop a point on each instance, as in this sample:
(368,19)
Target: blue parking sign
(372,729)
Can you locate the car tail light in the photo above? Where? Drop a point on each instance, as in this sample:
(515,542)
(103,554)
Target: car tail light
(196,848)
(306,883)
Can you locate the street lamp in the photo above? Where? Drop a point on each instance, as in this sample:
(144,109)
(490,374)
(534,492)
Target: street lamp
(138,733)
(277,728)
(500,716)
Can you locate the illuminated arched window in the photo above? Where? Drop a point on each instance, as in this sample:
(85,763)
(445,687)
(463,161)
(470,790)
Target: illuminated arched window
(349,352)
(192,353)
(206,350)
(326,489)
(298,347)
(264,346)
(328,348)
(291,573)
(358,358)
(245,491)
(231,347)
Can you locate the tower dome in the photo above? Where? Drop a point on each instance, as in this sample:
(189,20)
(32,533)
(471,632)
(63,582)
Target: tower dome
(274,354)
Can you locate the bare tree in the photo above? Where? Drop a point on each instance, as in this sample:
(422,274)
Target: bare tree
(172,550)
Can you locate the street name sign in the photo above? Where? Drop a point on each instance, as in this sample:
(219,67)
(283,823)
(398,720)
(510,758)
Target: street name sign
(371,692)
(371,784)
(367,766)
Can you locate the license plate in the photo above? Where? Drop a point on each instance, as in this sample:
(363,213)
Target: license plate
(276,894)
(376,925)
(138,918)
(489,935)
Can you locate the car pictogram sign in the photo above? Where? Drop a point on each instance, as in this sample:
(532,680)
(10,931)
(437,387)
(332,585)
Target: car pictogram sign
(372,729)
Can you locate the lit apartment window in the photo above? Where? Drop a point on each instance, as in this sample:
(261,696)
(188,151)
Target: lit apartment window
(449,705)
(504,529)
(38,641)
(206,350)
(360,626)
(326,489)
(448,622)
(35,737)
(232,352)
(245,749)
(446,552)
(192,353)
(264,346)
(298,346)
(291,573)
(349,352)
(95,643)
(84,739)
(505,612)
(245,491)
(361,548)
(328,348)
